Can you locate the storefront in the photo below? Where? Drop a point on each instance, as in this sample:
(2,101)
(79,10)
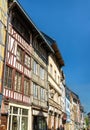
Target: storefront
(39,123)
(54,119)
(39,120)
(18,118)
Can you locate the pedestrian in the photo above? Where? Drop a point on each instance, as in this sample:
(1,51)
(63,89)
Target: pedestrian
(60,127)
(63,128)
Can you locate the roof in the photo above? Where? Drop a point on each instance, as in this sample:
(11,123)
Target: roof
(49,39)
(54,46)
(15,3)
(75,95)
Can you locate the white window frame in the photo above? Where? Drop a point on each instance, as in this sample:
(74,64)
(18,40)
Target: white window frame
(35,67)
(19,115)
(27,60)
(18,82)
(26,86)
(42,73)
(35,90)
(42,93)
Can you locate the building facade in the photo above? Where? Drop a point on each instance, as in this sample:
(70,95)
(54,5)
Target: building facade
(3,29)
(77,119)
(55,62)
(39,84)
(68,112)
(82,116)
(17,78)
(25,80)
(32,81)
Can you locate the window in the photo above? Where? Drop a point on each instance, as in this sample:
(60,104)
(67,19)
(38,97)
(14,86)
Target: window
(43,52)
(35,90)
(55,75)
(35,67)
(67,105)
(20,26)
(42,73)
(51,69)
(1,36)
(27,60)
(42,94)
(8,77)
(19,54)
(35,44)
(26,86)
(18,119)
(18,78)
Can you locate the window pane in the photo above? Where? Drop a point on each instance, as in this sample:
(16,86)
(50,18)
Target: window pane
(35,90)
(15,123)
(18,82)
(19,54)
(8,77)
(42,93)
(26,86)
(51,68)
(27,60)
(55,75)
(24,112)
(35,67)
(42,73)
(15,110)
(24,123)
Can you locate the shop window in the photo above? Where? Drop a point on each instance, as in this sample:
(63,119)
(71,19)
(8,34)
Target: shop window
(18,120)
(15,123)
(15,110)
(39,123)
(8,77)
(18,78)
(26,86)
(24,112)
(24,124)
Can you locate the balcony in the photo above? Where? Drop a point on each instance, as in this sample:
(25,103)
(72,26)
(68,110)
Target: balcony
(55,104)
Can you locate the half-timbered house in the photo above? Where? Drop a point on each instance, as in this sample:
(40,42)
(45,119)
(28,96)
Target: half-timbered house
(25,72)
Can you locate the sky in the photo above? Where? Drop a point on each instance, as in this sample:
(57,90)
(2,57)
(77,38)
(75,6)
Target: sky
(67,22)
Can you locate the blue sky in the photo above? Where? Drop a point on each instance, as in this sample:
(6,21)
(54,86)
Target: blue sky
(68,22)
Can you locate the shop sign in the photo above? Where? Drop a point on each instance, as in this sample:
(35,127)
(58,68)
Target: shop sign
(40,113)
